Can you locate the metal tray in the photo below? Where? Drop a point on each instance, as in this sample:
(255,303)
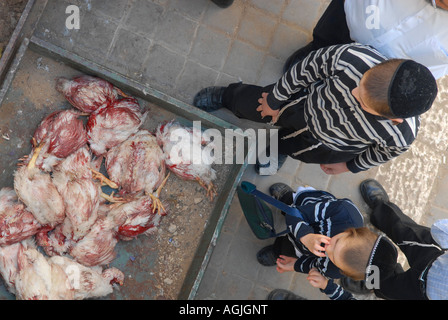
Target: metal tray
(28,95)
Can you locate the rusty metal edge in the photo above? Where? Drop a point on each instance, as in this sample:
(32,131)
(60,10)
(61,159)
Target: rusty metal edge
(13,42)
(9,77)
(189,290)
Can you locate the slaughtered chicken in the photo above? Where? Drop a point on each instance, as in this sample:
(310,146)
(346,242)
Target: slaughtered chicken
(180,154)
(137,165)
(32,276)
(36,190)
(59,135)
(140,218)
(87,93)
(8,264)
(16,222)
(88,282)
(37,279)
(114,124)
(81,194)
(97,247)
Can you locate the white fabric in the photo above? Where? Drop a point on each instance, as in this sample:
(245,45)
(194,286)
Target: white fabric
(406,29)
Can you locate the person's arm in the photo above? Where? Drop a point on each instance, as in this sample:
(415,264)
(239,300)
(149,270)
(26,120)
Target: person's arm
(317,66)
(328,286)
(336,292)
(374,156)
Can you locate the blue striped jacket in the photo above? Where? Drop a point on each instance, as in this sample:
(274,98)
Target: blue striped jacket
(322,214)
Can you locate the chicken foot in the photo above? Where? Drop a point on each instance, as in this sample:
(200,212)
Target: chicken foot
(157,203)
(210,188)
(111,198)
(104,181)
(32,163)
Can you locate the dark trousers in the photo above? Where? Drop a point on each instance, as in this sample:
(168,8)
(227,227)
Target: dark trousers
(401,229)
(332,27)
(242,100)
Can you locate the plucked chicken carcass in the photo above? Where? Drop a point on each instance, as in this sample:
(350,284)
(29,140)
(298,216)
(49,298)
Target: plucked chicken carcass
(97,247)
(137,165)
(37,279)
(54,240)
(59,135)
(32,276)
(88,93)
(89,282)
(171,137)
(74,180)
(140,218)
(8,265)
(16,222)
(114,124)
(36,190)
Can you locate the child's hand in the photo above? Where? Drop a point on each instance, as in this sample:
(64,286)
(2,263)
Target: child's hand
(334,168)
(316,279)
(285,263)
(314,243)
(265,109)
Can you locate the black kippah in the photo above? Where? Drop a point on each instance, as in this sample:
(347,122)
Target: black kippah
(384,256)
(412,90)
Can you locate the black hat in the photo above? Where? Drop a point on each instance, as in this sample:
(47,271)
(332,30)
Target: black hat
(384,256)
(412,90)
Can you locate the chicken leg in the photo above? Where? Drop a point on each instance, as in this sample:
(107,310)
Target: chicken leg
(32,163)
(111,198)
(104,181)
(157,203)
(210,188)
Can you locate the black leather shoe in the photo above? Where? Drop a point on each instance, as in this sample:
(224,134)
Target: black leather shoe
(267,166)
(267,257)
(355,286)
(282,294)
(209,99)
(373,192)
(282,192)
(223,3)
(297,56)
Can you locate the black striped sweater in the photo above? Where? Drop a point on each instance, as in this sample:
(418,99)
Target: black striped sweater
(332,114)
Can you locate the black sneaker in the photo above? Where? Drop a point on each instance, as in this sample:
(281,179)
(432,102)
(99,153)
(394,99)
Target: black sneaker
(282,192)
(267,257)
(223,3)
(266,169)
(209,99)
(282,294)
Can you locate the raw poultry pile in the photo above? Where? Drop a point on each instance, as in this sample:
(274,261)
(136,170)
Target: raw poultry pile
(58,205)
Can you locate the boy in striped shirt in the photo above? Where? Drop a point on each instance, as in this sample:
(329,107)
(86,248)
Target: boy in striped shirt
(345,107)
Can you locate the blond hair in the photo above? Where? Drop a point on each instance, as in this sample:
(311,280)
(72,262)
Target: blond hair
(356,254)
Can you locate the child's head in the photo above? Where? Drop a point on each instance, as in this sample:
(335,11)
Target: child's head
(397,89)
(350,251)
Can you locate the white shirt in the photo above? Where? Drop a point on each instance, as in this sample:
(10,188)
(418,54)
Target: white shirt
(406,29)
